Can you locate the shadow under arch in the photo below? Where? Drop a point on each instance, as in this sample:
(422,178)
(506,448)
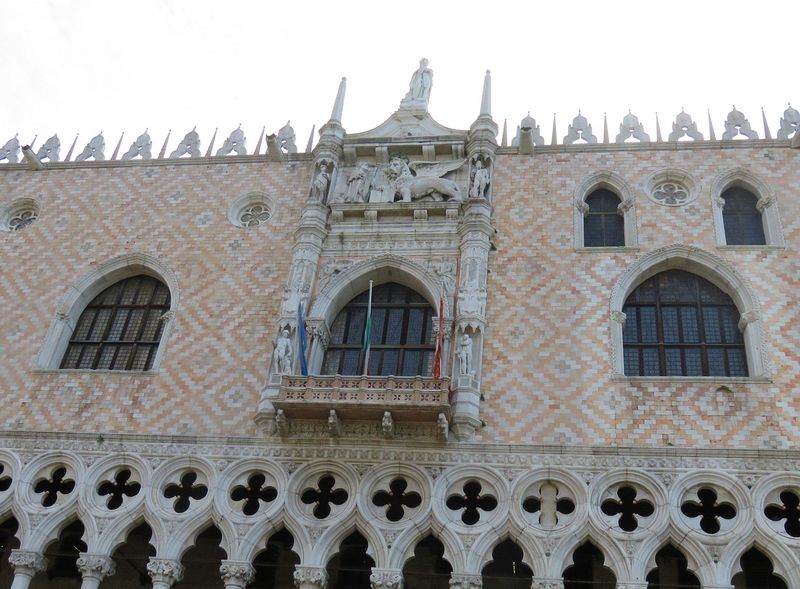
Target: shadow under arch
(81,292)
(481,553)
(185,537)
(253,543)
(697,557)
(785,564)
(117,533)
(562,557)
(404,545)
(328,544)
(697,261)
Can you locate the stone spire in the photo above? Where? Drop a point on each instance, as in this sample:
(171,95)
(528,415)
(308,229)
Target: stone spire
(711,135)
(658,130)
(554,138)
(504,141)
(767,134)
(486,99)
(338,106)
(605,128)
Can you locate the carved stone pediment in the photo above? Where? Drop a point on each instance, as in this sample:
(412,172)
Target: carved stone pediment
(407,124)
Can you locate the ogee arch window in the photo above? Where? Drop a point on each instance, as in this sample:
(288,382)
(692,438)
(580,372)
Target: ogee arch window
(121,328)
(402,334)
(741,217)
(603,225)
(679,324)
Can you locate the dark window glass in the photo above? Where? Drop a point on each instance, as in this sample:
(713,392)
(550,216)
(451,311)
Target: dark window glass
(121,328)
(743,224)
(402,334)
(603,225)
(678,324)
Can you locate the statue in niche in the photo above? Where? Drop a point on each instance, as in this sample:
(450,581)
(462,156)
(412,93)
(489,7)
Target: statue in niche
(282,355)
(189,144)
(139,147)
(321,181)
(94,148)
(358,184)
(9,150)
(234,142)
(465,353)
(419,88)
(286,139)
(427,182)
(480,180)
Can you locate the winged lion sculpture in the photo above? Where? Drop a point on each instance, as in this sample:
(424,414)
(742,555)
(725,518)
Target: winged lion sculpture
(426,182)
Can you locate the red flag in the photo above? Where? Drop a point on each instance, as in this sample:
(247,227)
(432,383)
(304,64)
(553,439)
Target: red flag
(437,356)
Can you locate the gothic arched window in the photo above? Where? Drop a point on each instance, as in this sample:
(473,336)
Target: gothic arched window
(402,341)
(679,324)
(741,217)
(603,225)
(121,328)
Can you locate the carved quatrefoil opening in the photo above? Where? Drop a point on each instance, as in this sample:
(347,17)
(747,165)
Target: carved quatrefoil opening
(548,504)
(53,486)
(790,511)
(627,507)
(670,193)
(323,496)
(118,489)
(254,215)
(5,481)
(709,510)
(254,493)
(185,492)
(396,500)
(472,503)
(20,220)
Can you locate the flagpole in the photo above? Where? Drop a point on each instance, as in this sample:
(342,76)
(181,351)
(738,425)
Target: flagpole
(368,332)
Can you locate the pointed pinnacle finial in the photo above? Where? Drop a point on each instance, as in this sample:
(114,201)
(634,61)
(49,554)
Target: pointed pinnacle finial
(504,141)
(767,134)
(486,98)
(605,128)
(338,106)
(711,135)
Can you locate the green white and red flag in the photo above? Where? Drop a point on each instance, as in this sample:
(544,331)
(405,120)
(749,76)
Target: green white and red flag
(368,332)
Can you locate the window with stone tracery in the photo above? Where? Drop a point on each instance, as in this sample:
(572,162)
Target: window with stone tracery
(679,324)
(402,342)
(741,217)
(120,329)
(603,225)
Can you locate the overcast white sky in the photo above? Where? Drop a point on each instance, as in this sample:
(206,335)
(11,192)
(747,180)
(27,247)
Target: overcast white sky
(85,66)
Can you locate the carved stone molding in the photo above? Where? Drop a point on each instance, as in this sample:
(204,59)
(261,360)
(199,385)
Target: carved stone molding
(95,565)
(27,561)
(386,579)
(747,318)
(547,583)
(463,581)
(236,574)
(306,577)
(619,317)
(165,571)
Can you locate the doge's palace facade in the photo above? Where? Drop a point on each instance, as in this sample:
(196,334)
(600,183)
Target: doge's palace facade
(582,370)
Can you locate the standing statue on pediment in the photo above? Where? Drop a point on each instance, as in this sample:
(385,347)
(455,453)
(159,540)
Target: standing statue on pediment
(321,181)
(465,353)
(358,185)
(419,88)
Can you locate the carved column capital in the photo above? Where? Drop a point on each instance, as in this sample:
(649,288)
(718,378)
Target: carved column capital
(747,318)
(27,562)
(764,202)
(619,317)
(164,571)
(463,581)
(547,583)
(582,207)
(624,206)
(236,574)
(306,577)
(96,566)
(386,579)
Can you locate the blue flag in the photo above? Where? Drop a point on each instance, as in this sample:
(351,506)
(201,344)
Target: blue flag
(301,336)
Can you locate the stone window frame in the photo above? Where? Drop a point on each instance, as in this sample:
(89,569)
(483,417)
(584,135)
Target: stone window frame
(610,181)
(81,292)
(717,271)
(767,205)
(246,200)
(18,205)
(674,176)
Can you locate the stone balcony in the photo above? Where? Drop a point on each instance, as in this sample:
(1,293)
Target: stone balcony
(364,398)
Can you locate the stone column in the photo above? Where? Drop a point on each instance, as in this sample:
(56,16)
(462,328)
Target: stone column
(94,568)
(547,583)
(465,581)
(386,579)
(236,575)
(164,572)
(310,577)
(26,563)
(476,232)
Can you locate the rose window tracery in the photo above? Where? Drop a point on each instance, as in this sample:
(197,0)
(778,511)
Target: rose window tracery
(254,215)
(21,219)
(671,194)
